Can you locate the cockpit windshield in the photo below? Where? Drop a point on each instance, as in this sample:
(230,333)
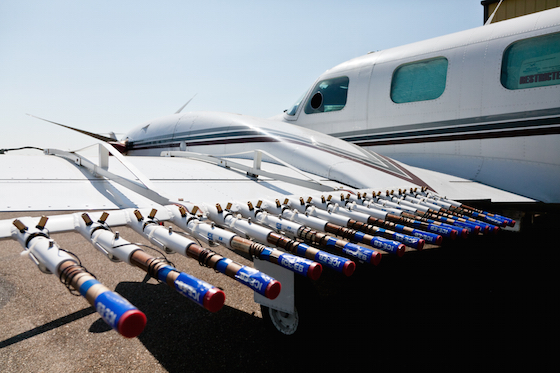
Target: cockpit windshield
(295,106)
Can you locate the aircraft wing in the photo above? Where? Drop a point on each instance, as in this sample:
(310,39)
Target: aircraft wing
(42,182)
(259,206)
(45,182)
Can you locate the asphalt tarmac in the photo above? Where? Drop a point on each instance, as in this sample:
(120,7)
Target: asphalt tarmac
(450,307)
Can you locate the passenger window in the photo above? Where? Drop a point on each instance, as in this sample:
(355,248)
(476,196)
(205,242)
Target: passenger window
(532,63)
(419,81)
(328,95)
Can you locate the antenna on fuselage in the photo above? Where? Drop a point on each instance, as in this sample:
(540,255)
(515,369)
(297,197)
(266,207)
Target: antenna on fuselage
(182,107)
(489,20)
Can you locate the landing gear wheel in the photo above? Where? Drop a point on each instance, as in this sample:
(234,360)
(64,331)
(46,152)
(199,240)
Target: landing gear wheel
(285,323)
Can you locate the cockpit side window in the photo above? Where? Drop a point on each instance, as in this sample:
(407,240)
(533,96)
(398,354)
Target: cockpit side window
(328,95)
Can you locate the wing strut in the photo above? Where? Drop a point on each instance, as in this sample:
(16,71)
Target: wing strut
(144,186)
(256,170)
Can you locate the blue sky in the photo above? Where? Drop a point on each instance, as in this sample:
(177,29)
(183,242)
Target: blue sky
(111,65)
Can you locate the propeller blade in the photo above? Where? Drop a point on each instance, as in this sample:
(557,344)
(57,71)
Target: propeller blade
(91,134)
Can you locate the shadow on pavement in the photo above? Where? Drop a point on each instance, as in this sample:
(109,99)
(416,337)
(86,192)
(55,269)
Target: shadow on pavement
(185,337)
(446,307)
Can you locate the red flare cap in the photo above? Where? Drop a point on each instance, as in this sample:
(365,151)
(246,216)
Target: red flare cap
(131,323)
(214,299)
(273,289)
(421,243)
(464,233)
(453,234)
(496,229)
(476,229)
(375,258)
(349,268)
(439,239)
(314,271)
(400,250)
(512,223)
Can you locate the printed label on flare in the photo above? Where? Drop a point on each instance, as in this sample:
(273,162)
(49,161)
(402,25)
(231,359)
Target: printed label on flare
(256,280)
(192,288)
(358,252)
(111,307)
(295,263)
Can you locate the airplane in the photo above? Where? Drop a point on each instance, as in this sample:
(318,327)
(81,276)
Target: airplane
(291,198)
(481,104)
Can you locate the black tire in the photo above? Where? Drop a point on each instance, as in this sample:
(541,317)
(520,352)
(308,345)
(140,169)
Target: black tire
(303,321)
(281,323)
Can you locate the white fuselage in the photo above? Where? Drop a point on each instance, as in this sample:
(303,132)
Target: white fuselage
(475,127)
